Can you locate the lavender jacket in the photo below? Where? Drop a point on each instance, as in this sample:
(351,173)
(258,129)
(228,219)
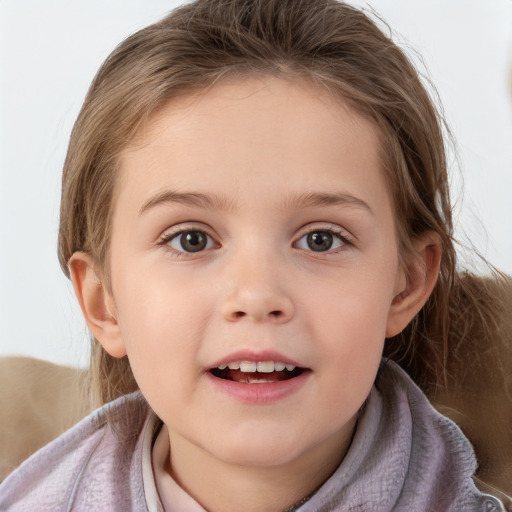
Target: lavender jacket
(405,457)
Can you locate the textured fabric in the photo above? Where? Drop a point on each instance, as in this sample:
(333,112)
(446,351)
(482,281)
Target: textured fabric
(89,468)
(404,457)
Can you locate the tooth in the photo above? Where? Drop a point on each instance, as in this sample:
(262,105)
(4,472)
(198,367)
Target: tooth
(247,366)
(279,367)
(290,367)
(222,366)
(253,380)
(265,366)
(234,366)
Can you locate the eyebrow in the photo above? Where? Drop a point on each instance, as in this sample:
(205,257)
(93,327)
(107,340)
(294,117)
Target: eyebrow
(209,201)
(312,199)
(223,203)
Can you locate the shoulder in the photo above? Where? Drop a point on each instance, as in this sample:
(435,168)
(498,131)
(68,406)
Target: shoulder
(441,463)
(96,462)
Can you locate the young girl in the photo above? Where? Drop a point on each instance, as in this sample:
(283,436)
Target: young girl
(255,209)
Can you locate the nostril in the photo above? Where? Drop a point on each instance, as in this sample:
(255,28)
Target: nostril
(274,314)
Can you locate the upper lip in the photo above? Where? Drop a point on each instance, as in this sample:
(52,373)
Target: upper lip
(255,357)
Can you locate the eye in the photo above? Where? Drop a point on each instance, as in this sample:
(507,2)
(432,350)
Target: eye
(190,241)
(321,240)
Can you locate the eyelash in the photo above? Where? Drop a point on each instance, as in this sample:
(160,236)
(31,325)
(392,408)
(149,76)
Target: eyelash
(344,238)
(168,237)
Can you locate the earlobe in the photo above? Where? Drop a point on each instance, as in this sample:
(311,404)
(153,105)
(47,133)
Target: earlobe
(417,282)
(96,303)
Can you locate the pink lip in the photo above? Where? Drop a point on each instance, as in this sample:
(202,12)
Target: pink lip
(258,393)
(255,356)
(263,393)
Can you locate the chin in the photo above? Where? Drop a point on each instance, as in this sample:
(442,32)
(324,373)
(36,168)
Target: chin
(266,449)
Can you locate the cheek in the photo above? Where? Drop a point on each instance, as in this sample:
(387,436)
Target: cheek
(348,332)
(353,325)
(157,302)
(162,323)
(350,319)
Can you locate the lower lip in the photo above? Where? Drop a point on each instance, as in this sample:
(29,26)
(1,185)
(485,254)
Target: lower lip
(263,393)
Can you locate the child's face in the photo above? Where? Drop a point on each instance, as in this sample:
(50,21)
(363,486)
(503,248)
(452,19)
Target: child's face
(253,223)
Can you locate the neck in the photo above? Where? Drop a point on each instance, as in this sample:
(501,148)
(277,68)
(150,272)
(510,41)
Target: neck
(221,486)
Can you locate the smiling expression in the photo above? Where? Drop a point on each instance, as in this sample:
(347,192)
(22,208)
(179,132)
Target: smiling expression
(254,267)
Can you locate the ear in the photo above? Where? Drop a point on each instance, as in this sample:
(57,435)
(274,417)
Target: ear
(97,304)
(416,283)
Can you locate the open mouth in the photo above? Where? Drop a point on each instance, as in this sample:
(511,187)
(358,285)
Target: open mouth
(249,372)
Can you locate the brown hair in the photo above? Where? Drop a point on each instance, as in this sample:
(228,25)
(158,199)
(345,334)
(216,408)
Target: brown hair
(331,43)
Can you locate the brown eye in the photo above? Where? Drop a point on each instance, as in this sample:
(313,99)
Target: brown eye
(320,240)
(191,241)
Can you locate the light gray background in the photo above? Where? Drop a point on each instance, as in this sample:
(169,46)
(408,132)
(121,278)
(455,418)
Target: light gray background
(50,51)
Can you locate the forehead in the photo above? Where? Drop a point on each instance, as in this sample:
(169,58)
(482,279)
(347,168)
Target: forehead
(247,94)
(290,134)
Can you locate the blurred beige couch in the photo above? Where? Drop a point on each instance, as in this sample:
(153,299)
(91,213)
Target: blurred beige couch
(38,401)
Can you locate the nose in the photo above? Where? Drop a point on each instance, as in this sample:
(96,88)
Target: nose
(255,289)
